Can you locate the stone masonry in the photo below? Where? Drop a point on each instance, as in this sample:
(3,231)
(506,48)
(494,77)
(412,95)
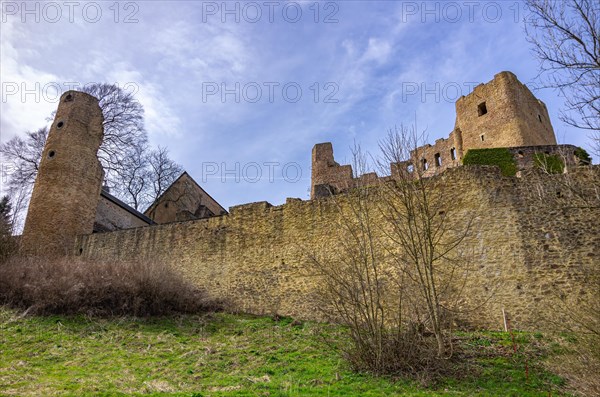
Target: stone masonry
(67,187)
(256,258)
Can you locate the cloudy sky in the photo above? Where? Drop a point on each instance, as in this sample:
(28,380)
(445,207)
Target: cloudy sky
(241,91)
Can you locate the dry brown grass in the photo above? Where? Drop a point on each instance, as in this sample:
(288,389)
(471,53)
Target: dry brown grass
(579,363)
(115,288)
(581,370)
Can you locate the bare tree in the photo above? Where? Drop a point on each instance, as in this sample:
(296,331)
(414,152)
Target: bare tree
(360,288)
(398,267)
(143,175)
(22,159)
(163,171)
(134,176)
(124,130)
(23,155)
(565,35)
(425,233)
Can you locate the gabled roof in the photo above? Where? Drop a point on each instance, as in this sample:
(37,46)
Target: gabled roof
(126,207)
(184,173)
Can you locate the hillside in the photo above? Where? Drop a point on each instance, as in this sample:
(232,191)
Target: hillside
(237,355)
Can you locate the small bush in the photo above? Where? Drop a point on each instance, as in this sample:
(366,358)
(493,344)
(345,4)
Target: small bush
(497,156)
(408,352)
(74,286)
(551,163)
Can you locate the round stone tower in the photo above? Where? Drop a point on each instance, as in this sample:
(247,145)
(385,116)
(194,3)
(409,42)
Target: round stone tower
(67,186)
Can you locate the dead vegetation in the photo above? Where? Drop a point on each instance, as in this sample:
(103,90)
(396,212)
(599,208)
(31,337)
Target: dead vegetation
(392,281)
(116,288)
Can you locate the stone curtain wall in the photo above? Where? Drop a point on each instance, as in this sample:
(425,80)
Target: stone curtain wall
(256,257)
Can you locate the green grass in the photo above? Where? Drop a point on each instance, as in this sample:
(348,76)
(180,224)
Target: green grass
(233,355)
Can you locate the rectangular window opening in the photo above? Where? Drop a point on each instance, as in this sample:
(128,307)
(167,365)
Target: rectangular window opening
(481,109)
(453,154)
(438,160)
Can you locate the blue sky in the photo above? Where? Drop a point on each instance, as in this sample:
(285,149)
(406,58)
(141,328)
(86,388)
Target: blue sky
(220,81)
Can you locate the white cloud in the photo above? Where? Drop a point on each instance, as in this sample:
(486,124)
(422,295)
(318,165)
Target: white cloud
(377,50)
(28,93)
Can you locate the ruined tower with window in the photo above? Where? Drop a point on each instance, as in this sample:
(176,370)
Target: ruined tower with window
(69,180)
(502,113)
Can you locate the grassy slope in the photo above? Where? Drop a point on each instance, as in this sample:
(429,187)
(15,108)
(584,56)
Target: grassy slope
(228,355)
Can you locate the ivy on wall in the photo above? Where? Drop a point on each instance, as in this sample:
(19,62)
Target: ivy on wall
(583,156)
(500,157)
(551,163)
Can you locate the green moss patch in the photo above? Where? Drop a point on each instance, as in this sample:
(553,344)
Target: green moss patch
(551,163)
(500,157)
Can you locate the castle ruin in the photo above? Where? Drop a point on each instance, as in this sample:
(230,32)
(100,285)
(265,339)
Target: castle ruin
(502,113)
(254,256)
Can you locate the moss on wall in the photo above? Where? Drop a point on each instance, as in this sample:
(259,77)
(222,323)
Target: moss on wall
(500,157)
(551,163)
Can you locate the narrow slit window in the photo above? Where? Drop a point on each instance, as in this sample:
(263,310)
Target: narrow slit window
(453,154)
(482,137)
(425,165)
(438,160)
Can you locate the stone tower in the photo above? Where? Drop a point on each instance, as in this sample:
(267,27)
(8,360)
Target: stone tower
(326,172)
(502,113)
(67,186)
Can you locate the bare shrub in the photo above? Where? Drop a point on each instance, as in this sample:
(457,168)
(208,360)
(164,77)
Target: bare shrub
(75,286)
(389,276)
(426,235)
